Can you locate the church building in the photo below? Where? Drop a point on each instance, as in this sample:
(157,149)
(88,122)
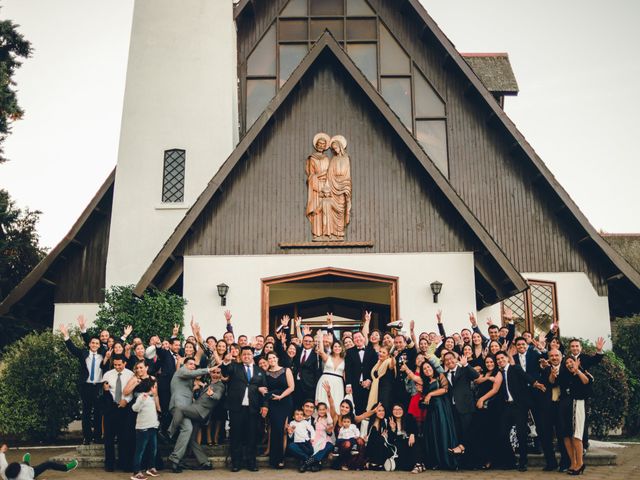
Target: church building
(309,156)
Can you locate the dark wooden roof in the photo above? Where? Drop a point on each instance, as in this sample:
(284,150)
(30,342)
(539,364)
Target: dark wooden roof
(501,275)
(627,245)
(626,280)
(39,273)
(494,71)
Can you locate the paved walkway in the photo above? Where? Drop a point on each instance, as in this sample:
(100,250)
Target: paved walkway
(628,468)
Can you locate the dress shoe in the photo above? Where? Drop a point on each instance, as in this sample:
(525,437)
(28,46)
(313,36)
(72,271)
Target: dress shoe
(235,468)
(522,468)
(175,468)
(253,468)
(86,441)
(108,469)
(203,466)
(549,468)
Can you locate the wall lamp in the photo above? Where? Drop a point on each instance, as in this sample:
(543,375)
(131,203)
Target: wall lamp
(223,288)
(436,288)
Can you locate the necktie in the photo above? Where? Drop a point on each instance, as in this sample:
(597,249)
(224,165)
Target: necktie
(119,389)
(248,368)
(93,367)
(451,372)
(506,385)
(304,357)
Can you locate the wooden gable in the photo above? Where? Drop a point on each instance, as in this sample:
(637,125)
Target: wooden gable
(327,70)
(73,272)
(490,164)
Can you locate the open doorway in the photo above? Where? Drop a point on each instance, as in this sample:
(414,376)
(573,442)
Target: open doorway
(345,293)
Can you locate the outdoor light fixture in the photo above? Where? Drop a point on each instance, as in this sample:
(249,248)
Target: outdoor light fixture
(223,288)
(436,288)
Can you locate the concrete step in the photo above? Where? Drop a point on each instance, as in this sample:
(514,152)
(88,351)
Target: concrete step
(595,457)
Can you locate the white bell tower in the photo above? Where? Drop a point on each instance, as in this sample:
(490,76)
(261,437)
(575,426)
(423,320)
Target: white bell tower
(180,95)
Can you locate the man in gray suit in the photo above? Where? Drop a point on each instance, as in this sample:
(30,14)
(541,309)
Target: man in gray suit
(181,397)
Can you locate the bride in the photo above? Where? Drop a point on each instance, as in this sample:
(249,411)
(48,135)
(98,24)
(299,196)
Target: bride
(333,374)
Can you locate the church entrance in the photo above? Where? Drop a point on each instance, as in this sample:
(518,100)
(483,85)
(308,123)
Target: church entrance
(345,293)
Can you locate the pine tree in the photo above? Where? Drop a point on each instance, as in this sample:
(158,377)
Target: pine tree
(13,46)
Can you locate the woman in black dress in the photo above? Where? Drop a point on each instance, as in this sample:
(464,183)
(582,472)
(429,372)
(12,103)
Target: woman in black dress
(486,419)
(402,434)
(575,385)
(281,385)
(379,449)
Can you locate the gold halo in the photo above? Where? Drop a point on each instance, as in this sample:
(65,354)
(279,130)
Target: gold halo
(340,139)
(322,136)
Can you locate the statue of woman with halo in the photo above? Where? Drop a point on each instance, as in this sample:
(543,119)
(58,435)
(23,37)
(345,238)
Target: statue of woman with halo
(336,211)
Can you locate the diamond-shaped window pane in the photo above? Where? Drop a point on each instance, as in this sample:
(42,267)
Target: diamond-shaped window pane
(542,306)
(517,304)
(173,178)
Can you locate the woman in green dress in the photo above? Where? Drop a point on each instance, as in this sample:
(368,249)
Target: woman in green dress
(439,430)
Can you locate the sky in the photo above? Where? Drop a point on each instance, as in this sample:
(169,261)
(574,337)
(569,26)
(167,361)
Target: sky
(576,62)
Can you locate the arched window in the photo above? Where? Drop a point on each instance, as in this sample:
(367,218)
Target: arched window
(173,176)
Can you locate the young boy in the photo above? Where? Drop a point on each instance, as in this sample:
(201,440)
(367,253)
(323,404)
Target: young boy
(301,435)
(147,406)
(24,471)
(348,433)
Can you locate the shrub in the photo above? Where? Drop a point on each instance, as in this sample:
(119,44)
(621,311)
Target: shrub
(153,314)
(38,387)
(627,347)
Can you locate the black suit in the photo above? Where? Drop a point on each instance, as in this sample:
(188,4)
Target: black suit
(306,376)
(355,370)
(165,366)
(550,418)
(463,403)
(244,418)
(90,393)
(539,403)
(517,383)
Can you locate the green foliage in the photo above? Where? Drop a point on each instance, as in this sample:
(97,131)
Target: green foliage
(19,243)
(12,47)
(627,347)
(611,393)
(153,314)
(38,387)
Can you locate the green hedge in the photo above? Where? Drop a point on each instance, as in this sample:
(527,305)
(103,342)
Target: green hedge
(627,347)
(38,387)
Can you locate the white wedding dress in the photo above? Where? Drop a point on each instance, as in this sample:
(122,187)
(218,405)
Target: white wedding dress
(334,376)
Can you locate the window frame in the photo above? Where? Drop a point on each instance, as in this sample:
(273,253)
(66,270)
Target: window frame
(166,155)
(528,303)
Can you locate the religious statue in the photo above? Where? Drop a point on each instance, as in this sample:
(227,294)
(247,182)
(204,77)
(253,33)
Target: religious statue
(329,184)
(316,170)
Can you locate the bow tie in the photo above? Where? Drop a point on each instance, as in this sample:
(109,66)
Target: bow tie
(361,349)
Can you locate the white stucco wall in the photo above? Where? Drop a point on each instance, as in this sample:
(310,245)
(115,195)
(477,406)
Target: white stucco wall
(243,274)
(68,313)
(581,311)
(181,92)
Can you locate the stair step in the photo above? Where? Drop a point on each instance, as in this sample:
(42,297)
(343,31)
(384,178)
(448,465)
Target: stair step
(595,457)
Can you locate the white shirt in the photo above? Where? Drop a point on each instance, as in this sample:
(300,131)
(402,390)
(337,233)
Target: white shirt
(451,374)
(147,413)
(306,352)
(506,383)
(523,361)
(348,433)
(361,354)
(303,431)
(112,378)
(97,371)
(245,399)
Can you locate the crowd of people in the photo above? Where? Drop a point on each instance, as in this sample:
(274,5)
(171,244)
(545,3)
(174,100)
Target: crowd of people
(349,400)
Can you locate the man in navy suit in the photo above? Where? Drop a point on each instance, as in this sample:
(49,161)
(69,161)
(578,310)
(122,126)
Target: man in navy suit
(306,371)
(90,385)
(528,358)
(246,397)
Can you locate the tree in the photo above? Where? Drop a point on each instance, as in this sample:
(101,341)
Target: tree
(155,313)
(13,46)
(19,243)
(38,387)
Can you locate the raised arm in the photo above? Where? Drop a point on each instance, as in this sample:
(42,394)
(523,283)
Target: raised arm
(298,324)
(441,330)
(474,327)
(319,348)
(75,351)
(227,317)
(366,326)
